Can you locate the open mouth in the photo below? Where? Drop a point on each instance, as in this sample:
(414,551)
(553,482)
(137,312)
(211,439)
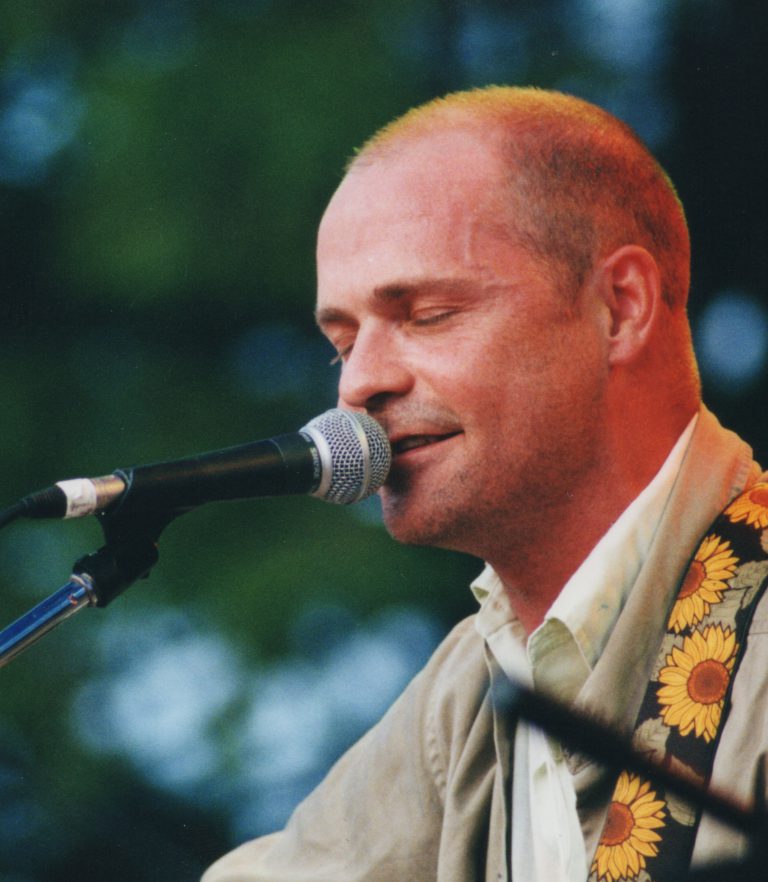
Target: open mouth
(413,442)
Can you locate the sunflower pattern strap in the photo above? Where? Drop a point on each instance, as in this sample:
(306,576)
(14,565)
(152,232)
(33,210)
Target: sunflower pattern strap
(648,834)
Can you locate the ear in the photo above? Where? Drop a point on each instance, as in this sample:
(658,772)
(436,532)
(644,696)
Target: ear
(631,291)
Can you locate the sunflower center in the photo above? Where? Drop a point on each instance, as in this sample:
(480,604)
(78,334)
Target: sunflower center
(618,825)
(693,579)
(708,682)
(759,496)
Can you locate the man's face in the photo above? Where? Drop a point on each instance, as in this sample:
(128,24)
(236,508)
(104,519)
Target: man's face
(456,339)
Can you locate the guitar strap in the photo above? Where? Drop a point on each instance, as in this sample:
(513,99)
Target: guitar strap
(648,835)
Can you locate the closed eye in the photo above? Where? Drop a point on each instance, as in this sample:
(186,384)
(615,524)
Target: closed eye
(432,318)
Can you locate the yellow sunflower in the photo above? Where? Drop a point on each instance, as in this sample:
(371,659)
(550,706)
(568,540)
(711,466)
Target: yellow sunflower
(704,583)
(751,506)
(629,835)
(696,679)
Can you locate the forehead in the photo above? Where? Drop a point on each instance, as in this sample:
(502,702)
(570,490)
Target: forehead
(429,174)
(438,204)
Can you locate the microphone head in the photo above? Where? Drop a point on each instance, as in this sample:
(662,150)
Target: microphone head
(354,455)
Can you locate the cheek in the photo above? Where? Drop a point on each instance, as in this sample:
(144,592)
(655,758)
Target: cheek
(543,380)
(513,368)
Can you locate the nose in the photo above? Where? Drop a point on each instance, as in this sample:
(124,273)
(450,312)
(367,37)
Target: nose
(374,370)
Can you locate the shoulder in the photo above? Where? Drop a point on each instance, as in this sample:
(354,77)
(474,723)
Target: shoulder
(454,677)
(461,651)
(455,680)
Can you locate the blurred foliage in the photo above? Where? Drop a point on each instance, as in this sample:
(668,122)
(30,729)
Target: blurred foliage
(163,166)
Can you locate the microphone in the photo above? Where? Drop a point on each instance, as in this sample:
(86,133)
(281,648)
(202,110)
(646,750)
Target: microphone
(339,456)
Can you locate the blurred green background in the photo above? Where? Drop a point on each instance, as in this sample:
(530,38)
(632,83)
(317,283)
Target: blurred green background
(163,166)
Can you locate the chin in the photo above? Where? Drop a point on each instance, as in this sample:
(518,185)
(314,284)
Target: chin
(413,525)
(402,519)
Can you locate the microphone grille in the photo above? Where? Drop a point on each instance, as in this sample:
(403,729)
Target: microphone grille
(354,454)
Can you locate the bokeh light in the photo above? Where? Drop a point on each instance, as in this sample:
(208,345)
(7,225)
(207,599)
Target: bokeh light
(40,110)
(732,340)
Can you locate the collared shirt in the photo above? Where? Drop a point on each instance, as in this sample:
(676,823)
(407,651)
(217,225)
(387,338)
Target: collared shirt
(547,842)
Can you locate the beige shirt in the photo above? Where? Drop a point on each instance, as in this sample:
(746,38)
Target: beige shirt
(547,841)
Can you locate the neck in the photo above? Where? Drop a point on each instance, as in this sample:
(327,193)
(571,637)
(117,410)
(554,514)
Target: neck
(534,576)
(536,562)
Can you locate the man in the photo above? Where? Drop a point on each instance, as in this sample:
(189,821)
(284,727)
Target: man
(504,275)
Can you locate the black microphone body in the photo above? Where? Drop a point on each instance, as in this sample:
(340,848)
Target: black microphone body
(339,456)
(284,465)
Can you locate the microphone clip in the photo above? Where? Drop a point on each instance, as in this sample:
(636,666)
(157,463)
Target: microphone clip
(129,553)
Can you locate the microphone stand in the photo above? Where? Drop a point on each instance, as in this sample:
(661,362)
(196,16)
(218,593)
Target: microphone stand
(97,579)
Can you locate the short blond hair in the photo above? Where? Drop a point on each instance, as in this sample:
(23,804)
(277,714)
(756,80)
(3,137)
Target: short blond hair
(581,182)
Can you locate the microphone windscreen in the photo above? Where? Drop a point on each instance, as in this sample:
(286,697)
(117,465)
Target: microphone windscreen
(355,455)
